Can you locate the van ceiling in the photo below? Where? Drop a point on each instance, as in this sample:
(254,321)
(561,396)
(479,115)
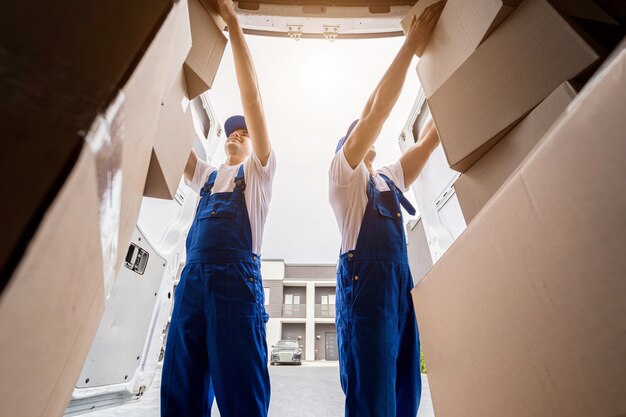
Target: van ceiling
(330,19)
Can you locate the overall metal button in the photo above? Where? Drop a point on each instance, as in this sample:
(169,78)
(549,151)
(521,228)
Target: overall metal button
(398,214)
(251,279)
(356,277)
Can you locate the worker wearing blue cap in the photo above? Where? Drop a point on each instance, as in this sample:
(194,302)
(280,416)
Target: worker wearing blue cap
(216,341)
(377,335)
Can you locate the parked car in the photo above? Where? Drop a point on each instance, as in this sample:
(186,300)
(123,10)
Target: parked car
(286,351)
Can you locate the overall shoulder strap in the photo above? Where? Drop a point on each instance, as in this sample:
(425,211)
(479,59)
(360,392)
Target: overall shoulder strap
(208,186)
(403,200)
(240,180)
(371,186)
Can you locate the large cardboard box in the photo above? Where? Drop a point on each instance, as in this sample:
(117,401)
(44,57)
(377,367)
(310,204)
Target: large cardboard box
(208,44)
(525,313)
(463,25)
(51,307)
(49,312)
(174,137)
(532,52)
(61,67)
(476,186)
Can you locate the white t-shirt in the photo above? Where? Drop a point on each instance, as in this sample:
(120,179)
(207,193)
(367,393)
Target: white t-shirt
(258,191)
(348,194)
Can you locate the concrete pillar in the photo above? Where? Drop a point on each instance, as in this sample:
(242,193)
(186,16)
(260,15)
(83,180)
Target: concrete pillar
(310,322)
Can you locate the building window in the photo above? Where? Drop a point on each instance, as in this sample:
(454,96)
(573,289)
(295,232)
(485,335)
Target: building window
(326,308)
(292,299)
(266,292)
(328,299)
(293,307)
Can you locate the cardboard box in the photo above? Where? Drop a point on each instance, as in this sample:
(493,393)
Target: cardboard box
(61,67)
(136,124)
(180,46)
(51,308)
(520,64)
(463,25)
(476,186)
(420,260)
(174,137)
(52,305)
(525,313)
(208,44)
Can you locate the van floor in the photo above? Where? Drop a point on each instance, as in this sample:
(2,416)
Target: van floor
(310,390)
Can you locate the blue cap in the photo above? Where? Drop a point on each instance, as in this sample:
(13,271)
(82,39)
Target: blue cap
(233,123)
(343,139)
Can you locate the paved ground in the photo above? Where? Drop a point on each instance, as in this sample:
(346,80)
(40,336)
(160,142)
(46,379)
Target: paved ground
(310,390)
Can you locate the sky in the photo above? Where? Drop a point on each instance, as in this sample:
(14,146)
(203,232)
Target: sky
(312,90)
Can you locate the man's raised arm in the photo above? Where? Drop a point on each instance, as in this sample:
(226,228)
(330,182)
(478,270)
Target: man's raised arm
(248,84)
(414,159)
(386,94)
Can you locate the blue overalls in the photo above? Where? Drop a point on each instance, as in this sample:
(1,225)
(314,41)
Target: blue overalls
(379,349)
(216,339)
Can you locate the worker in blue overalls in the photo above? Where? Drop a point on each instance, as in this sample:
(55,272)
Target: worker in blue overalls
(216,340)
(379,349)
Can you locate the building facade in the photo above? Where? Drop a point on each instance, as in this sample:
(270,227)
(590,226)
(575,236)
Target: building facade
(300,300)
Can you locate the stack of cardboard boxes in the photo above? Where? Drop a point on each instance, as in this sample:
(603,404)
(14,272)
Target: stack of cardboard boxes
(525,315)
(174,134)
(100,115)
